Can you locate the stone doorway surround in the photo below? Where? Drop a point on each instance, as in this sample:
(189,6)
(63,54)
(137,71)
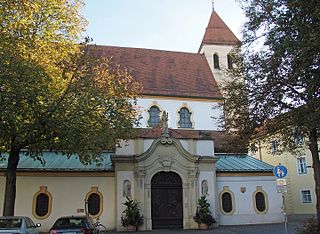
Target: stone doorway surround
(164,155)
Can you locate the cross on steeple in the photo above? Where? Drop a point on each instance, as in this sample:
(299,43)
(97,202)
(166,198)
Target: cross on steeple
(212,5)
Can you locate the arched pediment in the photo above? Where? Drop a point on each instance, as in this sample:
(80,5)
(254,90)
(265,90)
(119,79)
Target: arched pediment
(167,145)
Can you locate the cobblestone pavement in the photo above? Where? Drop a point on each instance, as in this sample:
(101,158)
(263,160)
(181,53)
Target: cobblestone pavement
(277,228)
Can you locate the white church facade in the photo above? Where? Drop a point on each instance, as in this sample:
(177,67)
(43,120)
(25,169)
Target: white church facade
(175,157)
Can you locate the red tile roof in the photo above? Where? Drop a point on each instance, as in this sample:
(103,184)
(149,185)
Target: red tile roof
(217,32)
(165,73)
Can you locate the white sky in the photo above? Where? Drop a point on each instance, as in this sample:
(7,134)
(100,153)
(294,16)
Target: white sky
(176,25)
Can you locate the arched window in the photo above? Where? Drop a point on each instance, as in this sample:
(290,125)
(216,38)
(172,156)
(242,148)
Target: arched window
(216,61)
(42,201)
(226,200)
(230,62)
(42,204)
(260,201)
(94,202)
(185,121)
(154,116)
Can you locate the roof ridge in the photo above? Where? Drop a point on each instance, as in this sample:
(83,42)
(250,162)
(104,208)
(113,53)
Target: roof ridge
(149,49)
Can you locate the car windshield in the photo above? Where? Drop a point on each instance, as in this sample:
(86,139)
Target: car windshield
(10,223)
(65,223)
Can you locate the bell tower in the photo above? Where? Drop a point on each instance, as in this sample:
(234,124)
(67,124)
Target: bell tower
(216,45)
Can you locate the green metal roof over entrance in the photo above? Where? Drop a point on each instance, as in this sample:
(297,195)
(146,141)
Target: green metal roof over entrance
(241,163)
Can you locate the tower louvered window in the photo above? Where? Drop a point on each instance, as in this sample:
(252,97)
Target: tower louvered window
(230,63)
(216,64)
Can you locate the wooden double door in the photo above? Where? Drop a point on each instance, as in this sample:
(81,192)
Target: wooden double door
(166,201)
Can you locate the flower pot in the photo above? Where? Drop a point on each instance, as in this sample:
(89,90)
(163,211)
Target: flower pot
(131,228)
(203,226)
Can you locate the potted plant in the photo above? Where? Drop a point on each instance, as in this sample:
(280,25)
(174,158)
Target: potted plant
(131,217)
(203,215)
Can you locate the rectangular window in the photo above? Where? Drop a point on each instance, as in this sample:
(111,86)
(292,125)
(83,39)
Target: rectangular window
(298,139)
(306,196)
(302,165)
(274,147)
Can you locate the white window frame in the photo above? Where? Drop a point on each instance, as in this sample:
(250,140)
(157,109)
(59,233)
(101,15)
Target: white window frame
(302,165)
(274,145)
(303,196)
(298,139)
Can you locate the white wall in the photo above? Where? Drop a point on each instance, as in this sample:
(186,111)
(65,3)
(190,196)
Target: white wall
(126,148)
(222,51)
(202,112)
(244,202)
(147,143)
(121,177)
(209,176)
(205,147)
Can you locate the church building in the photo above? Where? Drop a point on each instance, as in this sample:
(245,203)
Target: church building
(175,158)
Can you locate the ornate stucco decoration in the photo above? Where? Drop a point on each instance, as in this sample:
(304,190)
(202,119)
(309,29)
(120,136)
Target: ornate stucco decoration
(166,164)
(140,171)
(166,140)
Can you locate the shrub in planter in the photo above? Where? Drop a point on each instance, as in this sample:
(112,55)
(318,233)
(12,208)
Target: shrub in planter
(203,214)
(131,215)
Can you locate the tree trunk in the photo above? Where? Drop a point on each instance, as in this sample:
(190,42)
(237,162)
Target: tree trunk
(316,167)
(11,175)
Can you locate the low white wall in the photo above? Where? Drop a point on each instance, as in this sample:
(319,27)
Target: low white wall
(244,202)
(68,195)
(209,177)
(205,147)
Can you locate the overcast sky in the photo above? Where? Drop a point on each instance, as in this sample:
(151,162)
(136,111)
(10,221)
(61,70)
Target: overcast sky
(176,25)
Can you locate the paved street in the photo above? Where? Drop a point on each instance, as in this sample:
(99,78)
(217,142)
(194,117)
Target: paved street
(243,229)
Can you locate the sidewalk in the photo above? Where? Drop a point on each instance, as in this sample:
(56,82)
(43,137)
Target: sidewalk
(277,228)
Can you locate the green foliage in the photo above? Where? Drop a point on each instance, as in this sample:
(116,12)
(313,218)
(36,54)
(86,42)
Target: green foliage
(44,32)
(131,215)
(203,214)
(55,94)
(283,75)
(236,118)
(309,226)
(278,74)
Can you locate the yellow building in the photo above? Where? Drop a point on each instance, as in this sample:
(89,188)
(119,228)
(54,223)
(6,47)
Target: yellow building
(300,198)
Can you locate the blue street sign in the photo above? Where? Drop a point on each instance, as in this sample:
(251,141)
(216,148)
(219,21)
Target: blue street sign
(280,171)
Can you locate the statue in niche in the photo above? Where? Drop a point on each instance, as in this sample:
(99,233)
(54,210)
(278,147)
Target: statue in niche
(204,188)
(126,188)
(164,120)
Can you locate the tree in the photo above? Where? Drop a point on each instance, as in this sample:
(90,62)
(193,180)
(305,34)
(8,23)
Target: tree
(54,93)
(278,75)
